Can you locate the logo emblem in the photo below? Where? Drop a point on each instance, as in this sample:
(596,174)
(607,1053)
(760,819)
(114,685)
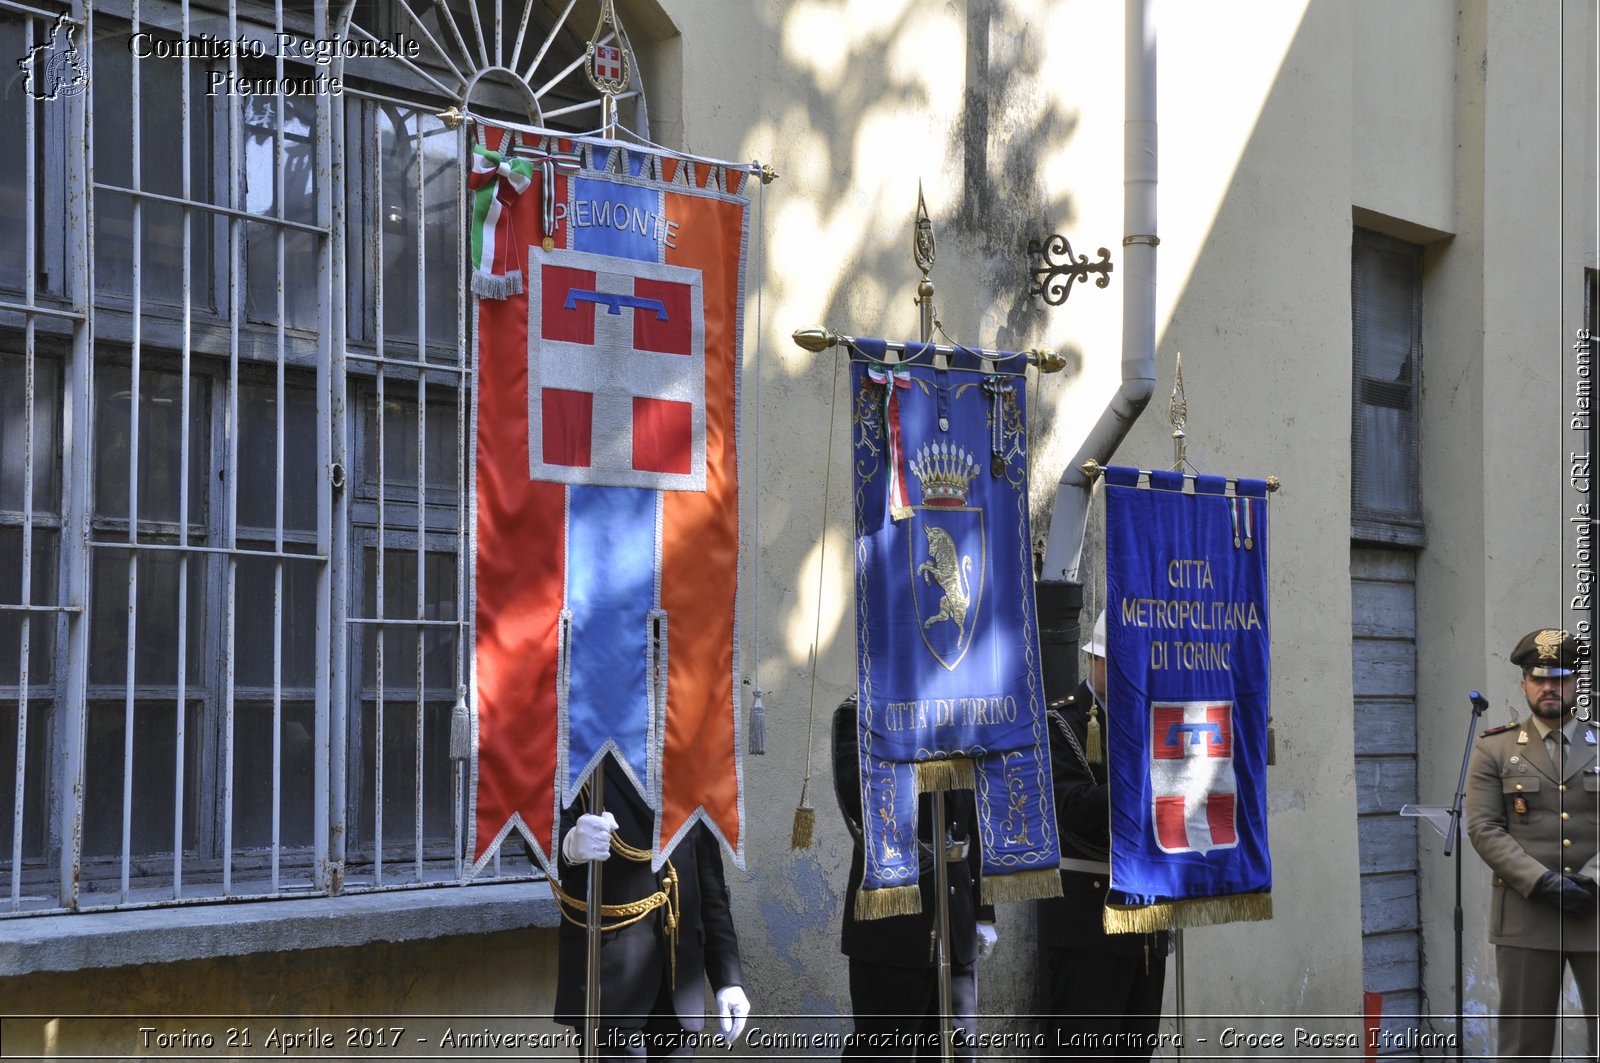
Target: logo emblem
(1192,781)
(947,552)
(606,65)
(54,69)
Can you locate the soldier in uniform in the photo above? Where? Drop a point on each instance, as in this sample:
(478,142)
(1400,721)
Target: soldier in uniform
(894,984)
(1104,989)
(665,933)
(1533,814)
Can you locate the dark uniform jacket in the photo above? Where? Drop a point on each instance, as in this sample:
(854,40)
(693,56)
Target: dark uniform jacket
(1083,822)
(903,940)
(634,960)
(1524,818)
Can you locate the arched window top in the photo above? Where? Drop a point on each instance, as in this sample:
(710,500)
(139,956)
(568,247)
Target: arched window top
(517,59)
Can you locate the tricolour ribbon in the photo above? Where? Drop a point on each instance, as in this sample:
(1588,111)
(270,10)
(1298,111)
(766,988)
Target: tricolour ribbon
(498,178)
(550,163)
(496,181)
(892,379)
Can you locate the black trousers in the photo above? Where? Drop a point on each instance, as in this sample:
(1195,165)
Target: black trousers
(896,1010)
(661,1036)
(1103,1007)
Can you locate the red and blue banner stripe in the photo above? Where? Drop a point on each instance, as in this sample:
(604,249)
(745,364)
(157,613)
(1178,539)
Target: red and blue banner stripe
(607,537)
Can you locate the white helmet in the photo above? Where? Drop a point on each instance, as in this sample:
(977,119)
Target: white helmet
(1096,646)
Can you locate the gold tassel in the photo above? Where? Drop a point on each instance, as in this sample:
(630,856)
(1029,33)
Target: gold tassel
(805,818)
(1096,746)
(1021,886)
(954,774)
(891,900)
(1177,915)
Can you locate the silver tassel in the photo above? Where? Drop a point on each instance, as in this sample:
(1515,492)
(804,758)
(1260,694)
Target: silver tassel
(758,727)
(460,727)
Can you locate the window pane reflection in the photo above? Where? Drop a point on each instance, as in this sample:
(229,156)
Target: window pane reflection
(400,772)
(290,191)
(253,642)
(161,131)
(156,660)
(402,134)
(154,774)
(42,629)
(14,432)
(252,774)
(401,447)
(400,641)
(160,444)
(258,458)
(35,804)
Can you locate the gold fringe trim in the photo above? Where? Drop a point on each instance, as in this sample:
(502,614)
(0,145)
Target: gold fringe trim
(900,512)
(1021,886)
(805,819)
(955,774)
(892,900)
(1096,745)
(1199,911)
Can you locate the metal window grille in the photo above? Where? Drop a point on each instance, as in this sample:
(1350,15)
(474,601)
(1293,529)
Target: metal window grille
(234,394)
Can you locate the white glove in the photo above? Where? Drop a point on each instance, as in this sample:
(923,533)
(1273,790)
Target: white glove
(987,936)
(589,838)
(735,1008)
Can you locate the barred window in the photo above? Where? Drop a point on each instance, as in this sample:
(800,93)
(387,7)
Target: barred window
(1385,433)
(234,398)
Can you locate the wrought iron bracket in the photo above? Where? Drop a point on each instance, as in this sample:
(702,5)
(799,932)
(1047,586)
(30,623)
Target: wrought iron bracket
(1055,269)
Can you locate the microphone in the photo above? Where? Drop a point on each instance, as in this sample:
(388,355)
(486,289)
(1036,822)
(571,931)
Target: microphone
(1479,702)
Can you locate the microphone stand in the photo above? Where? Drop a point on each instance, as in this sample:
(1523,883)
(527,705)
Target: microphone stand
(1452,836)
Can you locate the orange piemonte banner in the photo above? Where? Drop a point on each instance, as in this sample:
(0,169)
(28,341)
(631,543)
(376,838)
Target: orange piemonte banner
(610,317)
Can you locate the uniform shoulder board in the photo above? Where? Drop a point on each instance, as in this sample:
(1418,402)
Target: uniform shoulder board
(1502,729)
(1058,709)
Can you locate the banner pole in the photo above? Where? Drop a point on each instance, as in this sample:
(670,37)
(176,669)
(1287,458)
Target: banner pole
(1178,416)
(1183,1008)
(591,1022)
(922,253)
(941,929)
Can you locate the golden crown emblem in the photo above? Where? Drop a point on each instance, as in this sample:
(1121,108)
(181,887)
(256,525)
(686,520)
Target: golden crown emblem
(946,471)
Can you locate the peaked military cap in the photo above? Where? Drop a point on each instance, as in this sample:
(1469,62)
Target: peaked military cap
(1547,652)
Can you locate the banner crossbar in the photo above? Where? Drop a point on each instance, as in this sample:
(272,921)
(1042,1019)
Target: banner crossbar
(1151,479)
(455,116)
(872,350)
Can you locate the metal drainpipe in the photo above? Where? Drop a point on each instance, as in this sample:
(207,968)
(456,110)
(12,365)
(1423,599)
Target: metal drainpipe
(1060,589)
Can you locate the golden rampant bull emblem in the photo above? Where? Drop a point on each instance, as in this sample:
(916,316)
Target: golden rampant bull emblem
(956,551)
(947,575)
(943,565)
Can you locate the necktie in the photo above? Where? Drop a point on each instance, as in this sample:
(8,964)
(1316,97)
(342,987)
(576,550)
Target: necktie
(1558,752)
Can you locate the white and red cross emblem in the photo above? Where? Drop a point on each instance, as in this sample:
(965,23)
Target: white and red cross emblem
(1192,782)
(607,63)
(616,372)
